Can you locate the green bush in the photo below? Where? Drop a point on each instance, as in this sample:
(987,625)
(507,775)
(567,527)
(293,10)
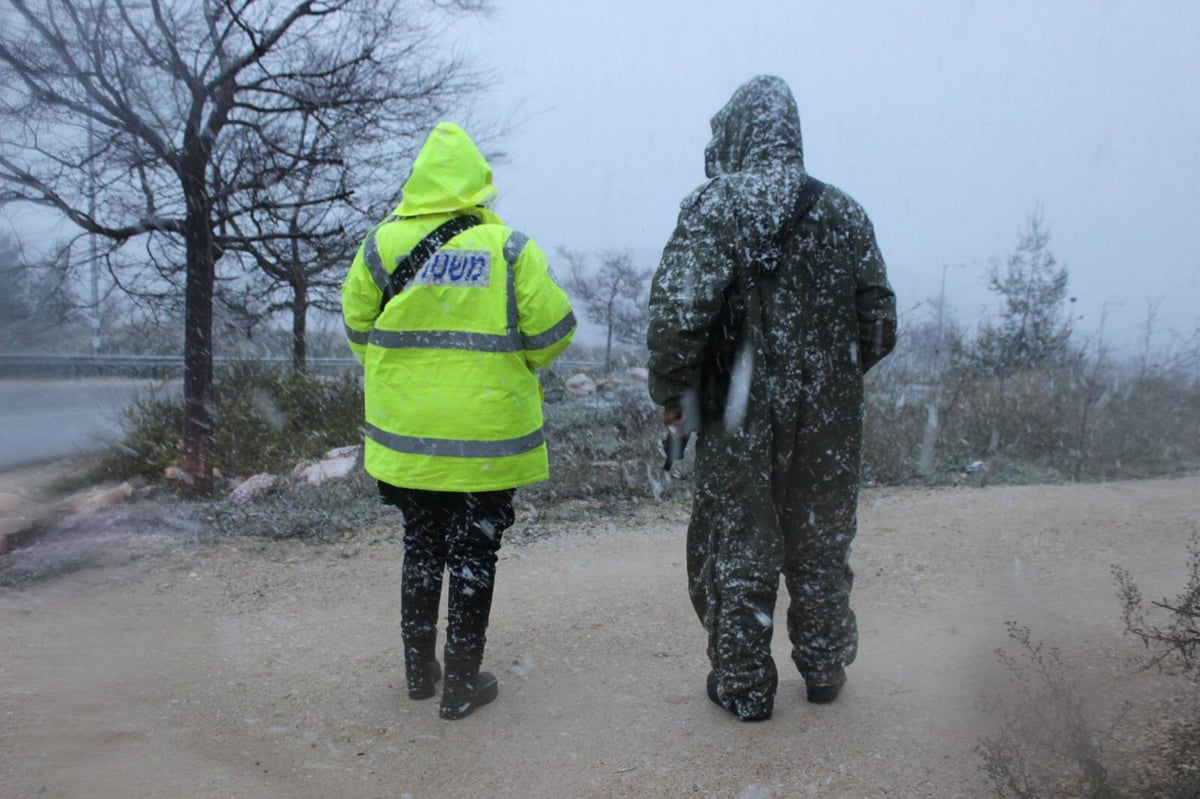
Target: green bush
(269,417)
(151,427)
(266,418)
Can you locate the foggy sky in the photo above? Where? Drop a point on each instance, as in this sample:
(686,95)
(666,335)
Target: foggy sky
(948,121)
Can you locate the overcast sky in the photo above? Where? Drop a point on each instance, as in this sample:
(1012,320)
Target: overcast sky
(948,121)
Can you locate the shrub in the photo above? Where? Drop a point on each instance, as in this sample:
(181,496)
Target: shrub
(607,445)
(1045,744)
(893,425)
(1078,421)
(1177,637)
(151,427)
(266,418)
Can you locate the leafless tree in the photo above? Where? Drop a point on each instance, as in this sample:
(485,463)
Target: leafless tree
(17,300)
(614,296)
(35,314)
(293,250)
(299,232)
(181,125)
(16,305)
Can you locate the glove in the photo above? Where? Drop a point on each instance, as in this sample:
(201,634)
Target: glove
(674,443)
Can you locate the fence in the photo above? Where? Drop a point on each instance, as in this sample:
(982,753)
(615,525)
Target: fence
(159,367)
(150,367)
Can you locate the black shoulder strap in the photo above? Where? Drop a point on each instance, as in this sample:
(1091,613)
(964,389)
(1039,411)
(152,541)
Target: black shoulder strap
(407,266)
(806,198)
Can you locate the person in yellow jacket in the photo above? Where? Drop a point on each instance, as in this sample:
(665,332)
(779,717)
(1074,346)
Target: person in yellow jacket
(450,312)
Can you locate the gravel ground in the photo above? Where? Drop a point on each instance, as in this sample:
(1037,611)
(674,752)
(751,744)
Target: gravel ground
(138,659)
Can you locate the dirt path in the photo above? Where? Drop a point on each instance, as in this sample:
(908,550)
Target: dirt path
(245,669)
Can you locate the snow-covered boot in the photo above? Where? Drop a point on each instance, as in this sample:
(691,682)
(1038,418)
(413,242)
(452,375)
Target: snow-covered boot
(421,670)
(466,688)
(754,707)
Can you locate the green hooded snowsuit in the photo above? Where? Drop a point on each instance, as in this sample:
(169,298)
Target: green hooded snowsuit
(762,324)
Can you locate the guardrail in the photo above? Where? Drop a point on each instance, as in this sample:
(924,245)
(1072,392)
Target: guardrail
(164,367)
(150,367)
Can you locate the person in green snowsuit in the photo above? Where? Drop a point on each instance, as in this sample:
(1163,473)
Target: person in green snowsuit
(770,303)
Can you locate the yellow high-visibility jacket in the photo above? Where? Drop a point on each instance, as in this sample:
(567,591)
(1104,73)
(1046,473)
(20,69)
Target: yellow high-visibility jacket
(452,396)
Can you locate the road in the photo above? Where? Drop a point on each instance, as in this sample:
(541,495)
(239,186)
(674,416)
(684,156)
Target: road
(44,419)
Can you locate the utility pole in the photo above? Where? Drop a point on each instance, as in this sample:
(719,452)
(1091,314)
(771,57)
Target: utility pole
(93,257)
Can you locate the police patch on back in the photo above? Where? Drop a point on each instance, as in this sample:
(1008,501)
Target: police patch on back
(465,268)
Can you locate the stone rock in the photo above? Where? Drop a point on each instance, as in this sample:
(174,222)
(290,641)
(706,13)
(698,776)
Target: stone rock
(580,385)
(11,525)
(637,374)
(354,450)
(254,488)
(173,474)
(10,528)
(9,504)
(102,498)
(329,469)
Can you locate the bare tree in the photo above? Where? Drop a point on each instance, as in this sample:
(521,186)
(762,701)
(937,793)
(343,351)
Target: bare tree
(300,231)
(35,313)
(614,296)
(295,245)
(16,302)
(175,123)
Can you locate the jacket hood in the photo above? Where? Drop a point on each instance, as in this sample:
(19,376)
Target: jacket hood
(758,128)
(449,174)
(756,155)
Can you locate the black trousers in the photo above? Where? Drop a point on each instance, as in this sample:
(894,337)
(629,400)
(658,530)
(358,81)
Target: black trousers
(459,533)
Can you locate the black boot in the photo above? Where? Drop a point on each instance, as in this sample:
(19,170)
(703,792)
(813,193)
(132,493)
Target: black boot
(823,687)
(421,670)
(713,687)
(753,708)
(466,688)
(822,694)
